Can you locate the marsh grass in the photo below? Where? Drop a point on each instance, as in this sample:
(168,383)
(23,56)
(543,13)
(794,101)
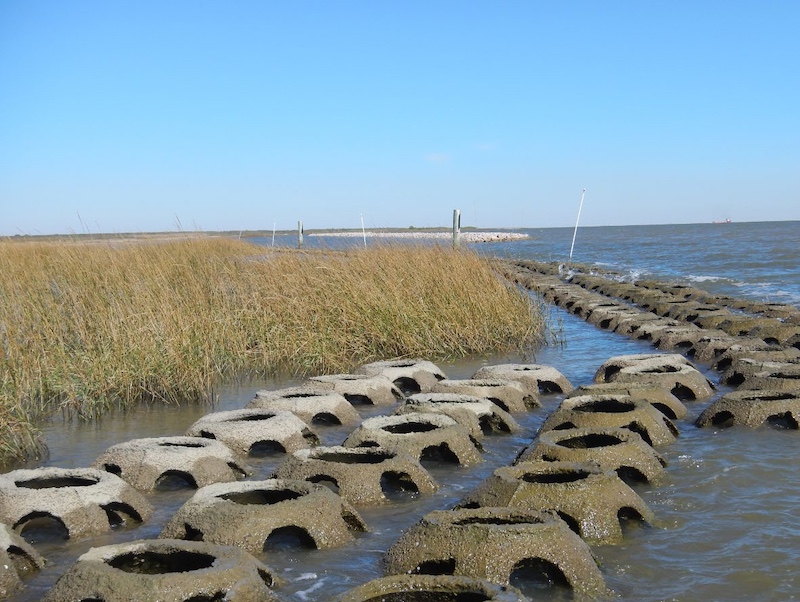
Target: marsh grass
(86,327)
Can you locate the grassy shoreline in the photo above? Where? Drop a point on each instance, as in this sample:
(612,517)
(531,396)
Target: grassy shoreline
(84,328)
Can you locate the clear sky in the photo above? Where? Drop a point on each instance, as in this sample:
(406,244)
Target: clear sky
(120,116)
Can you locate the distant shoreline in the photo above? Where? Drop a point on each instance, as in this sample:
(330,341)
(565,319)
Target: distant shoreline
(471,236)
(465,236)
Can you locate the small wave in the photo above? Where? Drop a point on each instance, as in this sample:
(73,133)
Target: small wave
(304,594)
(694,278)
(758,285)
(788,297)
(768,291)
(631,276)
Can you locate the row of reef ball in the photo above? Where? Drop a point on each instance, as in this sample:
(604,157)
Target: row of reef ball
(572,487)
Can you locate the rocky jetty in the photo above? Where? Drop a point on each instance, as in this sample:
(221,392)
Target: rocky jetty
(472,237)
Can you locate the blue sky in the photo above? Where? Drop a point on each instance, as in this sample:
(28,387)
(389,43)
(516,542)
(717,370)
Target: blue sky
(152,116)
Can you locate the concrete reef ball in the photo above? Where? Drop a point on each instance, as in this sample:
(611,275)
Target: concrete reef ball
(672,371)
(629,325)
(310,405)
(753,408)
(493,543)
(18,559)
(740,324)
(362,475)
(81,501)
(603,315)
(164,571)
(197,461)
(510,395)
(360,389)
(538,379)
(623,411)
(591,500)
(615,449)
(711,349)
(410,376)
(661,399)
(747,359)
(479,416)
(420,435)
(769,376)
(255,432)
(247,513)
(432,588)
(653,331)
(683,337)
(776,333)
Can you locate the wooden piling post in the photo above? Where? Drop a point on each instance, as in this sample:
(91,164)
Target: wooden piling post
(299,234)
(456,228)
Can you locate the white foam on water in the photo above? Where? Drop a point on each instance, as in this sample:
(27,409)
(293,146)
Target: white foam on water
(306,577)
(787,297)
(694,278)
(304,594)
(757,285)
(767,291)
(634,275)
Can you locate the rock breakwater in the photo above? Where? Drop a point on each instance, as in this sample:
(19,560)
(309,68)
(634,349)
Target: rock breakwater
(471,237)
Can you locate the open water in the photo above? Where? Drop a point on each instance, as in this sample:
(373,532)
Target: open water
(728,517)
(755,260)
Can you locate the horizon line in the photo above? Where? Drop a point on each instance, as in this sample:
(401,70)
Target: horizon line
(283,231)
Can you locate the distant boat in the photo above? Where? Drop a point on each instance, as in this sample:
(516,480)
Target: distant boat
(725,221)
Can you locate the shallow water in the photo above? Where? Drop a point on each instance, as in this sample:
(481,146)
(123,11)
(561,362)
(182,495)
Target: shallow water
(727,523)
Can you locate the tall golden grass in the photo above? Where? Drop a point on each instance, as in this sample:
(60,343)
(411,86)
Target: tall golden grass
(85,327)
